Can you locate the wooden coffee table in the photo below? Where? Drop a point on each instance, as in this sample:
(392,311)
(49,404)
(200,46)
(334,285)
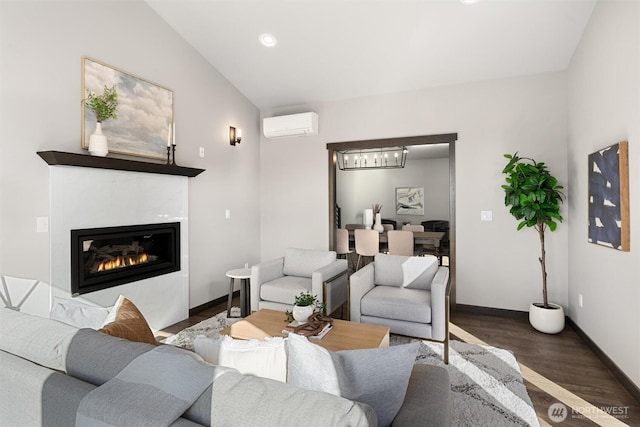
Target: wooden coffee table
(344,335)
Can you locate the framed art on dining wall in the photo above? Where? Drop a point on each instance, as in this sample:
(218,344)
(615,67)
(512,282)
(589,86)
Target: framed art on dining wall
(145,112)
(410,201)
(609,197)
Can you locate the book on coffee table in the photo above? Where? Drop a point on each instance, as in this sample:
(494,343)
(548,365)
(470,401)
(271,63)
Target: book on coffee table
(293,325)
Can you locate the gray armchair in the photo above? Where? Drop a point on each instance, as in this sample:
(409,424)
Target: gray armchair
(276,283)
(409,295)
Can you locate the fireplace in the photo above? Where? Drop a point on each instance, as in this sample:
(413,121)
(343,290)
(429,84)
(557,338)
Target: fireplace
(105,257)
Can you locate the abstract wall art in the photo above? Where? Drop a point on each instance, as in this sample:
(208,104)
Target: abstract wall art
(410,201)
(609,197)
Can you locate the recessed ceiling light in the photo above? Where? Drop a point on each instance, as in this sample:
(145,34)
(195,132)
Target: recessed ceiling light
(469,1)
(268,40)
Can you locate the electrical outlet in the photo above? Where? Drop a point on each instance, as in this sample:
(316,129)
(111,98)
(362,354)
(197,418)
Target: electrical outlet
(227,214)
(580,300)
(201,151)
(486,215)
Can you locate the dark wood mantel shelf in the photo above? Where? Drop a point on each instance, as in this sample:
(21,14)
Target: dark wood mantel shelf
(84,160)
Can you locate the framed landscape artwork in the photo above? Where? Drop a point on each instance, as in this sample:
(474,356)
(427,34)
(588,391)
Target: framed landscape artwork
(145,112)
(609,197)
(410,201)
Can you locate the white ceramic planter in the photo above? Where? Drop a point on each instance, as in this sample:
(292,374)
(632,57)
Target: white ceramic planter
(378,224)
(98,142)
(547,320)
(301,314)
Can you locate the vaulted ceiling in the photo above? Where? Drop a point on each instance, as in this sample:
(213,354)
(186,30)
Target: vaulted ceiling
(329,50)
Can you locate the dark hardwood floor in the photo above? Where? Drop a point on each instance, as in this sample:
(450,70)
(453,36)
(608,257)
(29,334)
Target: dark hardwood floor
(199,317)
(563,359)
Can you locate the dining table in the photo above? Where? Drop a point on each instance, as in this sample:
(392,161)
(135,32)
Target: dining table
(419,238)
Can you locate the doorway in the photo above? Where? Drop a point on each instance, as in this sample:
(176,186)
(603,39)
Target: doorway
(449,139)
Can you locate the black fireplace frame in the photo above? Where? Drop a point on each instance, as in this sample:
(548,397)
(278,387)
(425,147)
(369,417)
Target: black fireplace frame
(81,285)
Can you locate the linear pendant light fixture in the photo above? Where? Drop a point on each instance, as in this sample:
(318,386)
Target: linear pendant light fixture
(372,158)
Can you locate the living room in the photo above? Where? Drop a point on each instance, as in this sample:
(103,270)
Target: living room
(277,192)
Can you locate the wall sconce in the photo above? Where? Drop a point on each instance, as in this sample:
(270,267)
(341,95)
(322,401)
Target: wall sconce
(235,135)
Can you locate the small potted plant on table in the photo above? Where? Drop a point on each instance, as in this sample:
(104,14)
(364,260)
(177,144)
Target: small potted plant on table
(305,305)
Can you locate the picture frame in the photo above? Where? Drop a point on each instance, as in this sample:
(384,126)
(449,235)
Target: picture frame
(410,200)
(609,197)
(145,112)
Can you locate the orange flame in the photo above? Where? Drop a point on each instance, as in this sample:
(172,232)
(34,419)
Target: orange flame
(125,261)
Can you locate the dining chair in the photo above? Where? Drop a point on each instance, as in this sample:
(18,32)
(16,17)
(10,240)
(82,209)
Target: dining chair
(387,227)
(342,244)
(430,249)
(354,226)
(400,242)
(417,249)
(367,244)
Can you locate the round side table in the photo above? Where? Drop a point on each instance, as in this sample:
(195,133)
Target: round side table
(244,274)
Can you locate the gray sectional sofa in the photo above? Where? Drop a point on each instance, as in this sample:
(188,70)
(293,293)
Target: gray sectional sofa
(47,368)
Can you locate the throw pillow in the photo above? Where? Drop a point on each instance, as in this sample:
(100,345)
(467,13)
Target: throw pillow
(208,348)
(266,359)
(77,313)
(418,272)
(378,377)
(128,323)
(388,269)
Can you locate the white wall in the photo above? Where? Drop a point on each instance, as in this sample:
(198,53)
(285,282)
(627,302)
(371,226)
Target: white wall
(359,189)
(496,266)
(41,45)
(604,105)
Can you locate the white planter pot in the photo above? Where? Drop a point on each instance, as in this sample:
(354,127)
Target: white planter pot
(548,320)
(301,314)
(98,142)
(378,224)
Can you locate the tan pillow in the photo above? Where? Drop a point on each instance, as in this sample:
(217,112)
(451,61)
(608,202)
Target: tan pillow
(129,323)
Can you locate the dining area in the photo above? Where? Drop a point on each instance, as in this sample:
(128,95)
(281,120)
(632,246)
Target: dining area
(359,244)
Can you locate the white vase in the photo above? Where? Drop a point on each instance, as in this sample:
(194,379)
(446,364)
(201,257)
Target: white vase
(378,224)
(98,142)
(301,314)
(548,320)
(367,218)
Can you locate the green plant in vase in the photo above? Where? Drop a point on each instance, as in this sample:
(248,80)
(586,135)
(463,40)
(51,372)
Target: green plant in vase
(304,305)
(104,107)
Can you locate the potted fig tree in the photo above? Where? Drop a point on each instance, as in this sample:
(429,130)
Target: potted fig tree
(534,198)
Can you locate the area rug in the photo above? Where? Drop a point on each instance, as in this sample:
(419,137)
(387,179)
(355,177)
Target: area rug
(486,382)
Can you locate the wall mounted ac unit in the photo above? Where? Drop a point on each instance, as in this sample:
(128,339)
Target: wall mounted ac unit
(291,125)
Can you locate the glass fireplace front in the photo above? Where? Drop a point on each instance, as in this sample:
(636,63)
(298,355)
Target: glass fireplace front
(111,256)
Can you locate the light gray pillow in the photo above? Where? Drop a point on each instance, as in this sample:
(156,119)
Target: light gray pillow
(78,314)
(391,270)
(419,272)
(377,376)
(388,269)
(41,340)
